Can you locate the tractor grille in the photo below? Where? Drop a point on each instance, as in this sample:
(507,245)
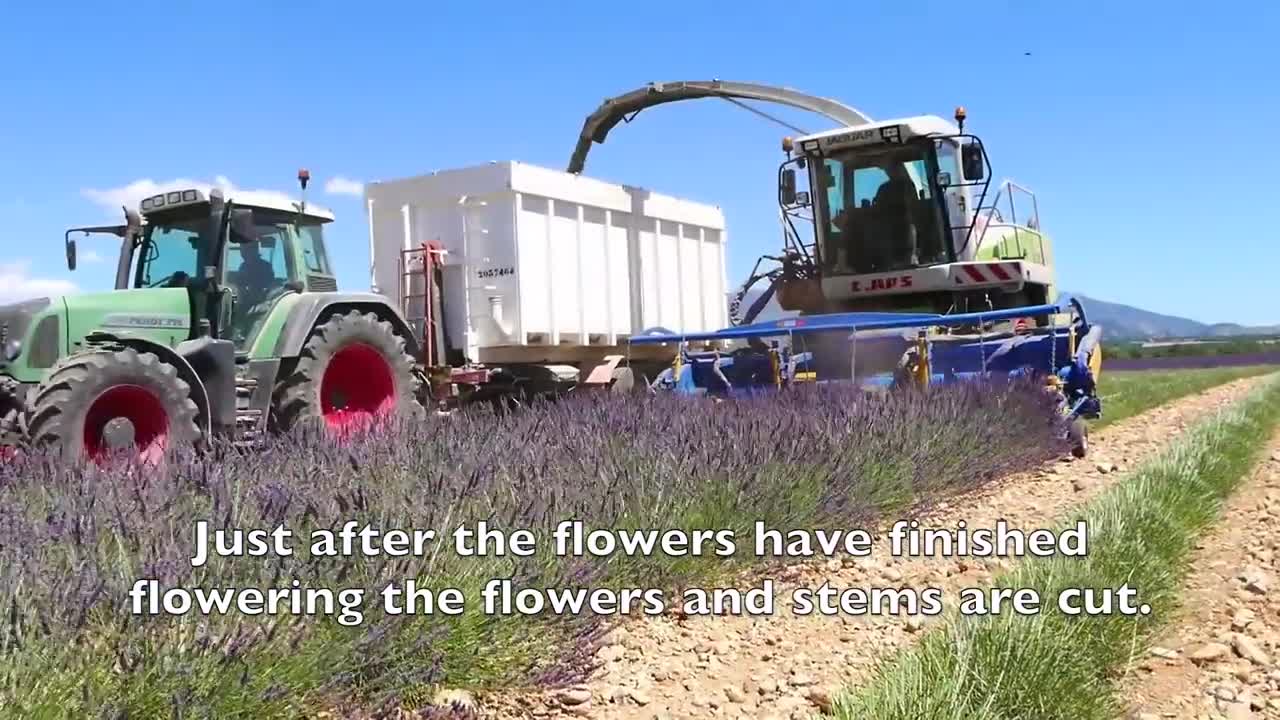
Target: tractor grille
(321,283)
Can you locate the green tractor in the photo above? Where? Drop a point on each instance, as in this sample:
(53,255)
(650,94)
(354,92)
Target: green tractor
(225,321)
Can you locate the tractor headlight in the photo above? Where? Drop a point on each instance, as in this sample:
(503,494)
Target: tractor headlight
(12,349)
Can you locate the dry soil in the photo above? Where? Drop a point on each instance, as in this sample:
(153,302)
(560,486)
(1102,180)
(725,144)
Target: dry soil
(787,666)
(1220,656)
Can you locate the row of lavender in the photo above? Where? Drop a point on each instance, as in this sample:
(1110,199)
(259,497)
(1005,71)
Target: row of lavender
(74,541)
(1190,362)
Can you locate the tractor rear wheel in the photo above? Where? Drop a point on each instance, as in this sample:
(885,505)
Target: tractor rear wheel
(351,371)
(111,399)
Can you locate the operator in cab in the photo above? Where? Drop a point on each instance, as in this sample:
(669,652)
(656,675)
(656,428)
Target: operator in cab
(255,276)
(253,283)
(895,199)
(882,234)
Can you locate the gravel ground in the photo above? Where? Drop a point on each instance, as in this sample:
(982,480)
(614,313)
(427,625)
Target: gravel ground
(787,666)
(1220,657)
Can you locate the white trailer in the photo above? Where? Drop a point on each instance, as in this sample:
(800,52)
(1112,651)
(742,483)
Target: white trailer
(543,266)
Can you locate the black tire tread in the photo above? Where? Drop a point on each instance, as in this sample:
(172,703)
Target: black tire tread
(296,398)
(76,379)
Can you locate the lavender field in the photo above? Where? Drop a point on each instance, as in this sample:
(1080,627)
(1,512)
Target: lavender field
(1125,394)
(73,541)
(1187,362)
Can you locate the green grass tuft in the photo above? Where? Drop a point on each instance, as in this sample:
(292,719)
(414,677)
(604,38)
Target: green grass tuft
(1125,394)
(1052,665)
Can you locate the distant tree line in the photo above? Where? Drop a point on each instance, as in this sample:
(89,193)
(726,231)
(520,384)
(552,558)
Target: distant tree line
(1235,346)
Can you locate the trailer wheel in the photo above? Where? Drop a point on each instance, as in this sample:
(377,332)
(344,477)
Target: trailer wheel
(352,370)
(110,399)
(1078,434)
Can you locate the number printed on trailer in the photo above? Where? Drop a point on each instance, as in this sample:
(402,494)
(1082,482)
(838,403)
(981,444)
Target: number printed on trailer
(496,272)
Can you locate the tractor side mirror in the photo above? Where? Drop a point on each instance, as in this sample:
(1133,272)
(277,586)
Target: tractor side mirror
(787,187)
(71,254)
(973,161)
(132,224)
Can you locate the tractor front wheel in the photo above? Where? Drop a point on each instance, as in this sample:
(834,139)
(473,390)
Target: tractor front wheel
(111,400)
(352,370)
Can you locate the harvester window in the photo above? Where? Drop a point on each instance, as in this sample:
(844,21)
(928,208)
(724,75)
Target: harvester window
(948,162)
(954,194)
(168,256)
(881,211)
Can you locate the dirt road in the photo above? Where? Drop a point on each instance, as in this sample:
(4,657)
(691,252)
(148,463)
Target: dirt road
(787,666)
(1221,657)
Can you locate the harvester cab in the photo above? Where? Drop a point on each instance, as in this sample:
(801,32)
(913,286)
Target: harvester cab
(900,222)
(225,320)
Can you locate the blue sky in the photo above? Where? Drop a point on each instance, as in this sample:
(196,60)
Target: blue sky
(1144,128)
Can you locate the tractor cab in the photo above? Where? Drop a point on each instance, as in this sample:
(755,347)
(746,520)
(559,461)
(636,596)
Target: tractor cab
(234,259)
(225,321)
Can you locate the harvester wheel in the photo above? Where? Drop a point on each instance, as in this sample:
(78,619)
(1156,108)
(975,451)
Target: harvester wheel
(1078,434)
(109,399)
(352,370)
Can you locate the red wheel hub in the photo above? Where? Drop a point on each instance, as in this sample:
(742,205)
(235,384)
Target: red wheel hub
(121,409)
(357,387)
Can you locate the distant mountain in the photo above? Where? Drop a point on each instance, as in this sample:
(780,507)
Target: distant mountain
(1125,322)
(1118,321)
(1236,330)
